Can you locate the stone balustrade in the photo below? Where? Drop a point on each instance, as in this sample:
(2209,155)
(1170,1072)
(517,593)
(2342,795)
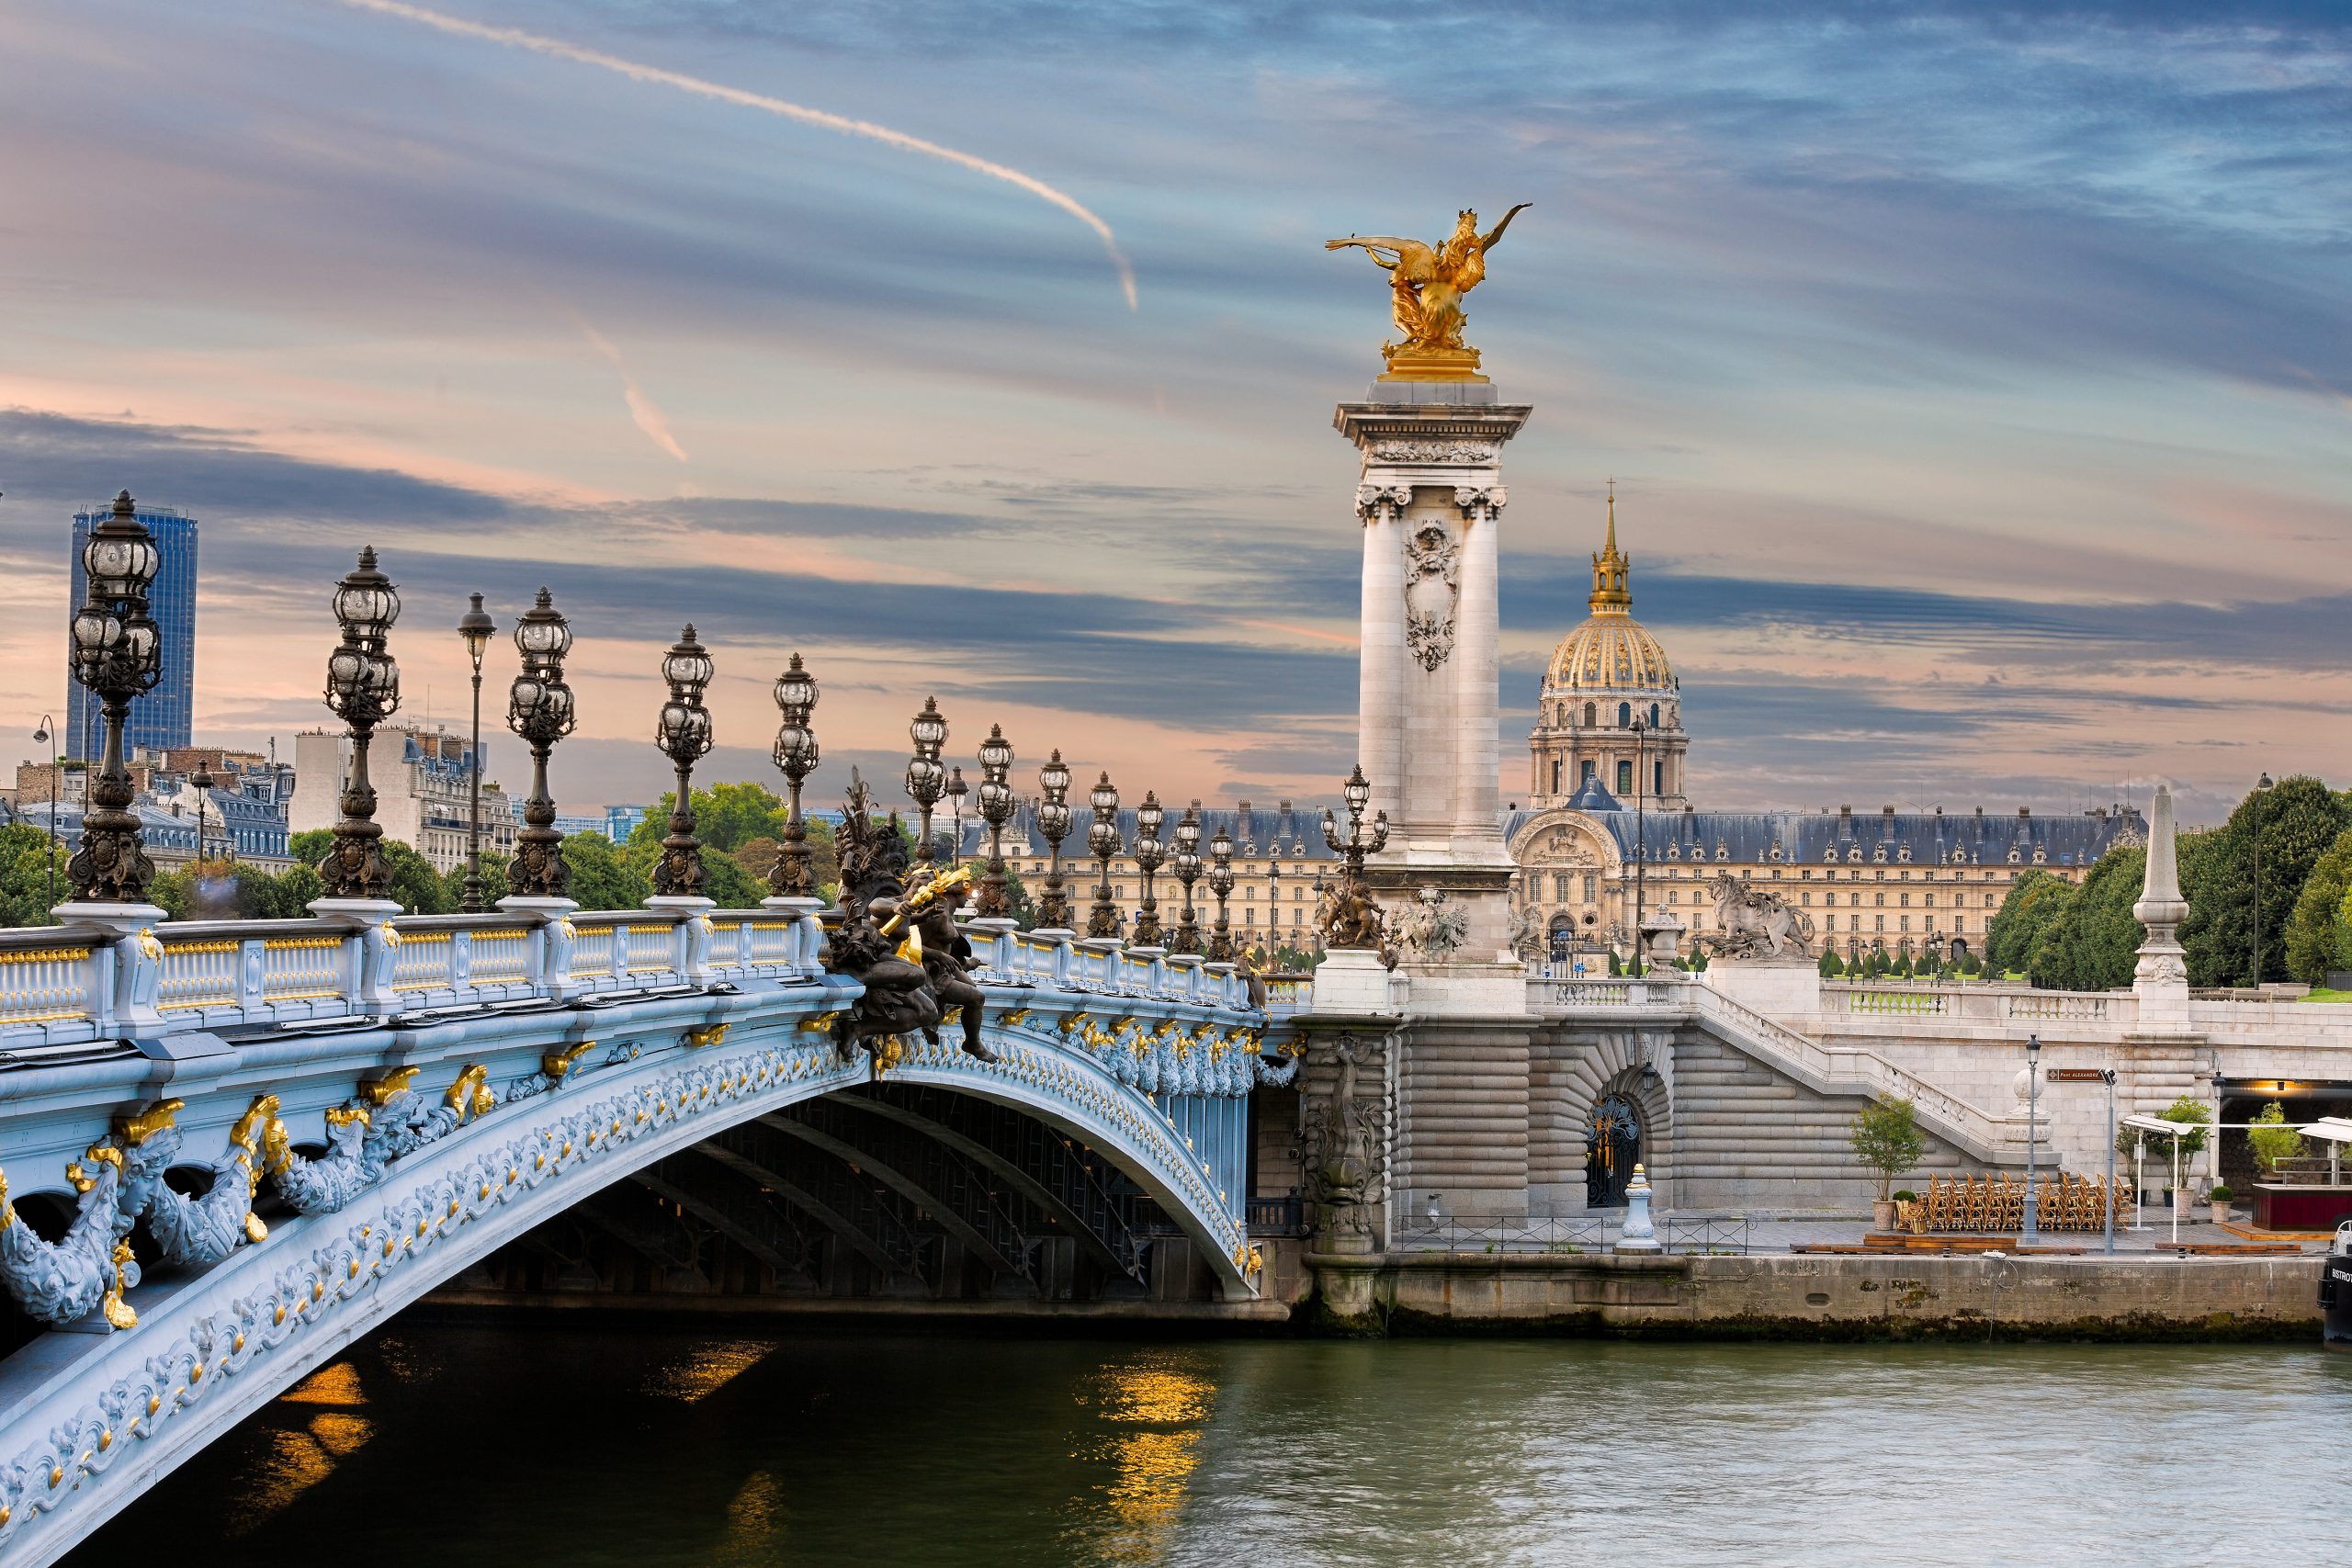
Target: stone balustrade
(62,985)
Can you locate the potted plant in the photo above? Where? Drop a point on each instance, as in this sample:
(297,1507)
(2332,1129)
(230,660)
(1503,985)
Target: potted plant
(2219,1198)
(1903,1200)
(1887,1142)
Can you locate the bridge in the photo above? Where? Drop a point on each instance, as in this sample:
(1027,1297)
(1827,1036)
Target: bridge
(233,1148)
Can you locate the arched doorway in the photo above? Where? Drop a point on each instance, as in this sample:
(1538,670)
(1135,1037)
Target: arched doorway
(1613,1144)
(1563,938)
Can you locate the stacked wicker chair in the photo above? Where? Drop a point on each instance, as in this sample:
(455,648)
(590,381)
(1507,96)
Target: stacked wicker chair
(1996,1204)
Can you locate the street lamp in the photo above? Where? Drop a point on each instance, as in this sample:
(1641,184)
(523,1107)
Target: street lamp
(2032,1232)
(797,753)
(1187,871)
(1149,853)
(2261,794)
(117,656)
(201,781)
(1102,840)
(363,690)
(996,811)
(1641,844)
(683,735)
(1054,823)
(1354,916)
(926,779)
(1221,884)
(476,628)
(956,790)
(538,709)
(44,736)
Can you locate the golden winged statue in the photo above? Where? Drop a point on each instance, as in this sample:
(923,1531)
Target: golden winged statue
(1426,286)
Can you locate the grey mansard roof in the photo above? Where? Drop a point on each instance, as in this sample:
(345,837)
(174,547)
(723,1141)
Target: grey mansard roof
(1823,838)
(1299,831)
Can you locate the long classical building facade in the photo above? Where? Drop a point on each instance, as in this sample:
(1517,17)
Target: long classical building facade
(1610,824)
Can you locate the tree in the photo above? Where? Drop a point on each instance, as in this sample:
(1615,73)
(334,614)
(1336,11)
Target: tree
(2316,929)
(603,878)
(2032,905)
(1832,966)
(727,815)
(2271,1139)
(311,847)
(2298,822)
(2092,944)
(25,881)
(415,886)
(1887,1140)
(224,890)
(494,880)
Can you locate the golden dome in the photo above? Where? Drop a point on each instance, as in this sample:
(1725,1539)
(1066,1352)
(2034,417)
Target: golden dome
(1611,651)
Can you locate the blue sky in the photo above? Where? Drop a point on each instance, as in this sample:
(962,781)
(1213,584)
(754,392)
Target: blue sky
(1977,380)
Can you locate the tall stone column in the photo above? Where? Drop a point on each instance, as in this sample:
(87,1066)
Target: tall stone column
(2161,980)
(1430,499)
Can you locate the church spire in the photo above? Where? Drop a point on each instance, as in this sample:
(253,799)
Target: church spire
(1611,570)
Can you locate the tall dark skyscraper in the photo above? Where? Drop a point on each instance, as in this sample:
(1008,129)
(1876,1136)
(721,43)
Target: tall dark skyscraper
(162,716)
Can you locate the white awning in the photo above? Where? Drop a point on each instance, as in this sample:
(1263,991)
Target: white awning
(2163,1128)
(2329,1129)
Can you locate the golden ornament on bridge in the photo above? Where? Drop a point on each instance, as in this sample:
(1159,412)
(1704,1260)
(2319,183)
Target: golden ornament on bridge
(1426,285)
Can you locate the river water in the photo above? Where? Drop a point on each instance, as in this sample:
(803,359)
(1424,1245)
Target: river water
(536,1442)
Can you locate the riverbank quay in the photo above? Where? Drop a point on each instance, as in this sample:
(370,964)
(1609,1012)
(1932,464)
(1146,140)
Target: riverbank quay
(1987,1296)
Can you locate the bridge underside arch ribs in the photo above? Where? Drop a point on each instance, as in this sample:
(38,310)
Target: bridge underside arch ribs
(938,1182)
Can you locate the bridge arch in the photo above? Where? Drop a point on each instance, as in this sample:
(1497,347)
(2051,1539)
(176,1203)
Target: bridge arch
(103,1415)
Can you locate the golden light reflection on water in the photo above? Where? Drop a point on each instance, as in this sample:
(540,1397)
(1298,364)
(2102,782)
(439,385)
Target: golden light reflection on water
(709,1368)
(1167,1392)
(303,1451)
(755,1516)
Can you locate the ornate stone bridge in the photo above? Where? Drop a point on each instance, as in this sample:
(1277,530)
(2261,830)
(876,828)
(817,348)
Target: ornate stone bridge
(231,1148)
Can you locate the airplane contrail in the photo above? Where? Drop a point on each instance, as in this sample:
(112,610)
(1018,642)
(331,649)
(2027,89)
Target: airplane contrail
(559,50)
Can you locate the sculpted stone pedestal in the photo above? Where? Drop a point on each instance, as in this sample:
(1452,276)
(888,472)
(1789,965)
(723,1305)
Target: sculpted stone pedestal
(1774,987)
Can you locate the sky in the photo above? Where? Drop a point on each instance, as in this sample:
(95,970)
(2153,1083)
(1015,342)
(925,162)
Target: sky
(1977,381)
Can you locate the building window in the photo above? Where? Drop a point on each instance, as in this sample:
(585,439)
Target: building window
(1881,923)
(1625,777)
(1295,916)
(1991,905)
(1624,716)
(1249,916)
(1905,900)
(1591,886)
(1653,715)
(1586,776)
(1878,898)
(1907,922)
(1657,775)
(1806,897)
(1555,776)
(1590,718)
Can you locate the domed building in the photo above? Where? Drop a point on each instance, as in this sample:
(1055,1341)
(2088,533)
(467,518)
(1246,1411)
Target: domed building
(1607,842)
(1610,709)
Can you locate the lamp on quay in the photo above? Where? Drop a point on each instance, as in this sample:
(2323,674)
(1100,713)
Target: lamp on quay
(996,811)
(1150,855)
(956,790)
(1102,840)
(2261,797)
(363,690)
(475,628)
(538,709)
(201,781)
(1221,885)
(683,735)
(118,655)
(1187,871)
(926,778)
(44,737)
(797,755)
(1054,823)
(2032,1230)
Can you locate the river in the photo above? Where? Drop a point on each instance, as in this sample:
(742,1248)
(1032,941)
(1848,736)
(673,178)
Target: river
(536,1441)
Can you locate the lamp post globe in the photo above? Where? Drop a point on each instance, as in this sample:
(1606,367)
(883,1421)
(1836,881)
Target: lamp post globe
(996,811)
(1149,853)
(1221,886)
(926,777)
(1186,867)
(201,781)
(1102,840)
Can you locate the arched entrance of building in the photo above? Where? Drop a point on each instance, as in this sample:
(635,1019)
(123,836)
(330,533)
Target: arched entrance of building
(1563,938)
(1612,1145)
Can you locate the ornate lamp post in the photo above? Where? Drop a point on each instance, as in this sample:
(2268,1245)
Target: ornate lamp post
(926,779)
(1221,884)
(683,735)
(2261,797)
(201,781)
(42,738)
(996,811)
(1102,840)
(797,755)
(363,690)
(1054,823)
(1150,855)
(1354,917)
(476,628)
(956,790)
(117,656)
(538,709)
(1187,871)
(1641,845)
